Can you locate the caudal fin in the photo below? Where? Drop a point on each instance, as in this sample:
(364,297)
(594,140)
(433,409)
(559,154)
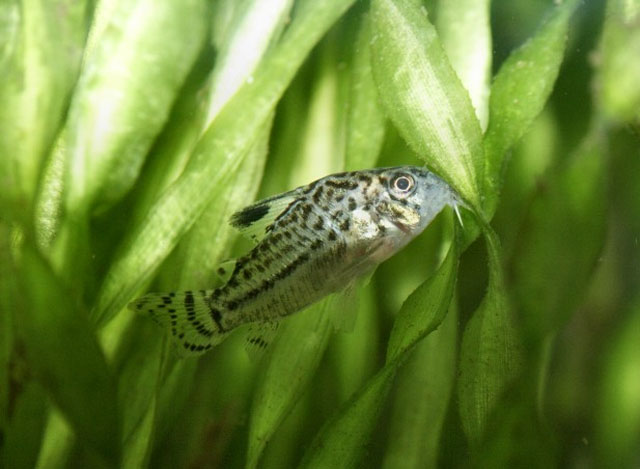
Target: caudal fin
(193,324)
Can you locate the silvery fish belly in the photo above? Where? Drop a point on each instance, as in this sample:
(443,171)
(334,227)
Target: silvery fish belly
(311,241)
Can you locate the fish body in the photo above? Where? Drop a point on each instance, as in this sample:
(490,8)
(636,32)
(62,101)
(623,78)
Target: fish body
(311,241)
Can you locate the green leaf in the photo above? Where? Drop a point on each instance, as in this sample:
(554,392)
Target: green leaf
(40,52)
(63,350)
(23,433)
(287,371)
(423,96)
(57,442)
(552,265)
(520,90)
(365,123)
(341,441)
(618,409)
(137,394)
(219,152)
(115,114)
(353,351)
(412,324)
(423,390)
(209,240)
(620,67)
(490,354)
(464,29)
(256,26)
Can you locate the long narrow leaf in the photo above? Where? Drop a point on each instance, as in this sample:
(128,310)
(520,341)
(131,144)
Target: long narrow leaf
(40,50)
(424,387)
(65,353)
(464,29)
(520,90)
(423,95)
(490,355)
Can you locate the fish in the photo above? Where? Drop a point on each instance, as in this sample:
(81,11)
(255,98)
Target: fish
(312,241)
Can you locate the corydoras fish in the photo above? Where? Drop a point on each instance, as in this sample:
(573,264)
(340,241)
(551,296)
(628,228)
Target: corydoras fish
(311,241)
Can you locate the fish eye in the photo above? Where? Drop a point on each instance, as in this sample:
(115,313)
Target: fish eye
(403,183)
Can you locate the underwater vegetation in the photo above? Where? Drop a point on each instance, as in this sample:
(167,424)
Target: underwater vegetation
(132,130)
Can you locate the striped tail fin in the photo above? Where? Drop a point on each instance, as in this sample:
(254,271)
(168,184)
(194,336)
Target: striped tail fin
(193,323)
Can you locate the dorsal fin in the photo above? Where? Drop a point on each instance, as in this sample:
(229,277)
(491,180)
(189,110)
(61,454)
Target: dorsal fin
(254,220)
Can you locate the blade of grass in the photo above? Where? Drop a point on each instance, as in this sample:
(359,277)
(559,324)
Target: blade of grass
(137,390)
(40,54)
(220,150)
(64,352)
(342,440)
(562,241)
(290,366)
(365,125)
(620,68)
(115,114)
(618,431)
(202,249)
(464,29)
(23,433)
(520,90)
(258,27)
(490,354)
(423,391)
(56,443)
(423,96)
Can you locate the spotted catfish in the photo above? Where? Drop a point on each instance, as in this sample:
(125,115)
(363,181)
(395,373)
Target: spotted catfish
(311,241)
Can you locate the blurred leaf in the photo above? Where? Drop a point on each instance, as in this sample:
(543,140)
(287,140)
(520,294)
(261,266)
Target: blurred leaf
(490,354)
(365,123)
(343,438)
(65,354)
(23,432)
(531,158)
(137,447)
(40,50)
(618,410)
(9,294)
(560,242)
(520,90)
(218,153)
(258,25)
(433,296)
(56,443)
(287,371)
(137,391)
(203,248)
(353,353)
(423,96)
(620,67)
(464,29)
(115,114)
(423,391)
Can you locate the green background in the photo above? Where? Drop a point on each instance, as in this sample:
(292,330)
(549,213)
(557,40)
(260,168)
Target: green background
(130,131)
